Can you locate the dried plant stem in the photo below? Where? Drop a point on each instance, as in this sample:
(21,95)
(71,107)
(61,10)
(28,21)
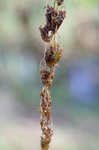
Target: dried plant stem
(52,55)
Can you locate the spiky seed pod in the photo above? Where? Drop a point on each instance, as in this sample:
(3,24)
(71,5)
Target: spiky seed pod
(53,55)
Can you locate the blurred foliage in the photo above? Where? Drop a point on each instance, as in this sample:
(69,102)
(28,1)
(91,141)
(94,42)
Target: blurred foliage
(88,2)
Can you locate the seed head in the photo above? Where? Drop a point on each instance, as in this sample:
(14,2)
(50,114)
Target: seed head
(53,55)
(54,19)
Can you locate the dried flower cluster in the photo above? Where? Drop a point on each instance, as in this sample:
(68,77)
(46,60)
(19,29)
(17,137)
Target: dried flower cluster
(52,55)
(54,19)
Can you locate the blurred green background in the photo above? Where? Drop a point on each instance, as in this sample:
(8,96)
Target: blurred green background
(75,90)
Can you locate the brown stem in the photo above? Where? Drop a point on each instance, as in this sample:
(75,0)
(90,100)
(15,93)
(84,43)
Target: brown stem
(52,55)
(46,147)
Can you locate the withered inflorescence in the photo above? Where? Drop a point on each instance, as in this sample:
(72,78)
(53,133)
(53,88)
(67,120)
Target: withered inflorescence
(54,19)
(52,55)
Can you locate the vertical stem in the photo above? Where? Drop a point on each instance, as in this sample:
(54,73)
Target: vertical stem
(45,108)
(51,58)
(45,148)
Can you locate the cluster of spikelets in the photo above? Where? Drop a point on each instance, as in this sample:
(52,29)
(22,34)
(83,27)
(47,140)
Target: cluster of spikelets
(52,55)
(54,19)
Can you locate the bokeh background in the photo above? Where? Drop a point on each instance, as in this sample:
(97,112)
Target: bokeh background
(75,91)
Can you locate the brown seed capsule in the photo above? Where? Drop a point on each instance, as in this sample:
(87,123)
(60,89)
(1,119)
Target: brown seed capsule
(53,55)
